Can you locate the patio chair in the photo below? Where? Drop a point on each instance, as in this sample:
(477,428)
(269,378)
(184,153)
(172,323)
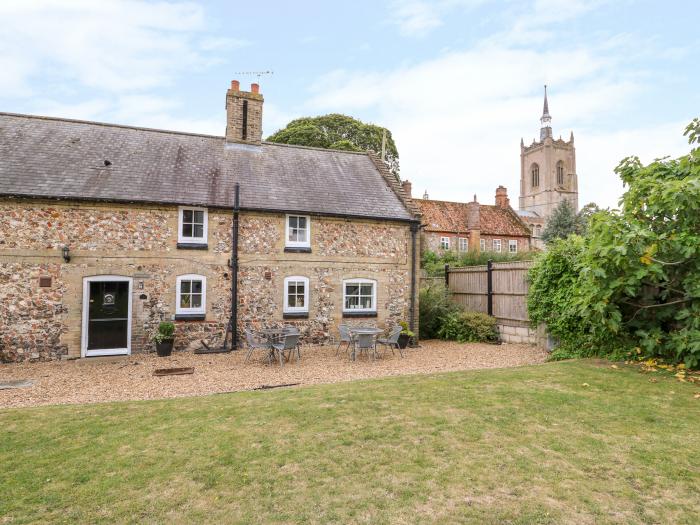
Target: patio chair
(290,329)
(365,342)
(253,343)
(392,340)
(345,337)
(289,342)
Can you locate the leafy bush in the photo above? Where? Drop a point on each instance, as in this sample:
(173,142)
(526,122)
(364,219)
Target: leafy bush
(434,264)
(473,327)
(632,285)
(405,330)
(166,332)
(434,306)
(553,298)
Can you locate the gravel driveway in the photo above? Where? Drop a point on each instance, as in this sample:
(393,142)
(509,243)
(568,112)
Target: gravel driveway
(132,377)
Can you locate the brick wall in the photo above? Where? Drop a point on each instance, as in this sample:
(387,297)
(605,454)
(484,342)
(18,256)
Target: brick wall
(431,241)
(140,242)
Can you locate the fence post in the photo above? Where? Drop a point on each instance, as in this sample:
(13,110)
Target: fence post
(447,276)
(489,287)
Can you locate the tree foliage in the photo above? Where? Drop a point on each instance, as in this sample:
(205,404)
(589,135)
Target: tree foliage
(636,281)
(337,131)
(565,221)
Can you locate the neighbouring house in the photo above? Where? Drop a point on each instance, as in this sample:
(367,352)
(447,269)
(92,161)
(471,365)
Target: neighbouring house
(471,226)
(108,230)
(547,176)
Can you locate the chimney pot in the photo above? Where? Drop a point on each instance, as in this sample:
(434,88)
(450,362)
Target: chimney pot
(406,185)
(255,88)
(502,200)
(235,85)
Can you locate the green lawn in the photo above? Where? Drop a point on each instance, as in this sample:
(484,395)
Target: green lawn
(526,445)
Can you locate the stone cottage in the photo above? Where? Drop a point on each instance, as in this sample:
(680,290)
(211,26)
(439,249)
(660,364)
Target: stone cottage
(108,230)
(471,226)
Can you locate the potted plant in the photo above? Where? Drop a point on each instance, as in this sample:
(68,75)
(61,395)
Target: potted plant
(164,339)
(405,335)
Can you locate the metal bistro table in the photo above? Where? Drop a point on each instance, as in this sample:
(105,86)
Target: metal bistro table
(274,335)
(360,330)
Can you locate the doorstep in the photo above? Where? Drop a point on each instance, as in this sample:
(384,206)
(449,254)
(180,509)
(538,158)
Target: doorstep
(101,359)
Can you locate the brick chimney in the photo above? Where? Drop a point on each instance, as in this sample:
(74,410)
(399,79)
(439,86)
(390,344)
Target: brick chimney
(474,225)
(244,114)
(406,185)
(502,200)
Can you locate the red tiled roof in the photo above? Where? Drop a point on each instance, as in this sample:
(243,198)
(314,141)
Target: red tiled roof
(444,216)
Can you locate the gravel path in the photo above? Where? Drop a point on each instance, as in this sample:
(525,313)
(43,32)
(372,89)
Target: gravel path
(131,378)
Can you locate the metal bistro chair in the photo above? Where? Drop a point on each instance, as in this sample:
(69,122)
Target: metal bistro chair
(293,330)
(392,340)
(345,337)
(255,344)
(289,342)
(365,342)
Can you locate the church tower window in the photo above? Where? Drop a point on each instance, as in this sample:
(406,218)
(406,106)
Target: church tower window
(560,173)
(535,170)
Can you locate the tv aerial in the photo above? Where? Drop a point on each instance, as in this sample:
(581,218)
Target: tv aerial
(257,74)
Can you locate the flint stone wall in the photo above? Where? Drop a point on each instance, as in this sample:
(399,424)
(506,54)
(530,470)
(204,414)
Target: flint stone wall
(141,242)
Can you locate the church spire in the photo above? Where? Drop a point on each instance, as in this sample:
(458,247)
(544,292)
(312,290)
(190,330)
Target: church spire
(546,119)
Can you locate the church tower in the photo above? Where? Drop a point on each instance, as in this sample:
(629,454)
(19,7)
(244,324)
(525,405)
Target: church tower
(547,172)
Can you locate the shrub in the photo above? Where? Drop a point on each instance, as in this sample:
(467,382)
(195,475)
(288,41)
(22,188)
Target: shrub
(434,306)
(555,283)
(473,327)
(166,331)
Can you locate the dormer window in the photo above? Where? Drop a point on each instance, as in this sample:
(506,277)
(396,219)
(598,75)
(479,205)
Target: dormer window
(298,234)
(192,227)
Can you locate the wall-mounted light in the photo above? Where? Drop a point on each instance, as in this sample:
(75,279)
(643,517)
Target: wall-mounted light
(66,254)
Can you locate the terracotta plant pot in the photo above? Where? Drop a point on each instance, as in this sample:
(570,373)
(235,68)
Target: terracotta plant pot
(165,348)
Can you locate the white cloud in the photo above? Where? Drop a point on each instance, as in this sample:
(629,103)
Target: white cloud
(458,119)
(417,18)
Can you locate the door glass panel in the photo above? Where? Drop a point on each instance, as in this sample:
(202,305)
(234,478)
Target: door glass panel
(108,315)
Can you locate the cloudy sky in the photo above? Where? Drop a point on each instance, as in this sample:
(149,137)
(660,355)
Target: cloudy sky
(458,82)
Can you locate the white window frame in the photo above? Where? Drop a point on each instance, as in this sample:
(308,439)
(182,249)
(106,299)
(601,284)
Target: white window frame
(463,244)
(496,243)
(444,243)
(296,309)
(297,244)
(205,230)
(482,245)
(513,243)
(194,311)
(360,281)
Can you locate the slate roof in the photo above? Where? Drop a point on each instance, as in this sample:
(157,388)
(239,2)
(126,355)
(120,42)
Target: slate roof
(451,217)
(60,158)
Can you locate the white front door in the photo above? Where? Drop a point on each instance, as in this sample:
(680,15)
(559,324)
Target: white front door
(106,315)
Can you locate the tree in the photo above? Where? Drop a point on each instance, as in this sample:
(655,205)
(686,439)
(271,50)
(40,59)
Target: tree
(642,264)
(584,217)
(631,286)
(564,221)
(337,131)
(561,223)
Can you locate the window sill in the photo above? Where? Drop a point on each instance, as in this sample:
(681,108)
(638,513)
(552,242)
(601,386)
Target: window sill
(295,315)
(297,249)
(190,317)
(359,314)
(192,246)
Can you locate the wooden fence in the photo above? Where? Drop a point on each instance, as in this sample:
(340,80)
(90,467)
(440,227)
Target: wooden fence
(499,289)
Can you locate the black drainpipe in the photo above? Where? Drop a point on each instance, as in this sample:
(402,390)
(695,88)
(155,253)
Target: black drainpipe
(412,309)
(233,322)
